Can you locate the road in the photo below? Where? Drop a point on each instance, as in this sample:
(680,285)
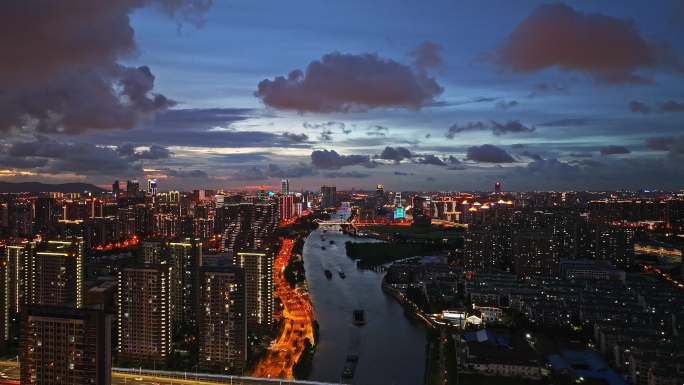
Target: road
(297,323)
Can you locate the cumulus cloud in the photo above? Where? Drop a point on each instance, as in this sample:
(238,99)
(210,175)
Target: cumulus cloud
(347,82)
(427,55)
(510,127)
(396,154)
(331,160)
(640,107)
(65,75)
(614,150)
(609,49)
(488,153)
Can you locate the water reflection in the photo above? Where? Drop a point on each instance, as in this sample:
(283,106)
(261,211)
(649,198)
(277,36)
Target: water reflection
(391,348)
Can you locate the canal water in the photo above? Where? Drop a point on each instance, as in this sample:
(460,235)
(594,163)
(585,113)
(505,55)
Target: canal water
(390,346)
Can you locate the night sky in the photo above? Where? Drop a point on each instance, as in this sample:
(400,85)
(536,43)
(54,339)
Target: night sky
(417,95)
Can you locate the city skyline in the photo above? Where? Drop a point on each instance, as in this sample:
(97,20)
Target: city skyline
(209,94)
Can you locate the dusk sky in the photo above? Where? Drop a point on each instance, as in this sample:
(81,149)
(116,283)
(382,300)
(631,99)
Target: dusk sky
(439,95)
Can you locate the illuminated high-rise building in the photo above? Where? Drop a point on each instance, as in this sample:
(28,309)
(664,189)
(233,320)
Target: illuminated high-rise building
(497,187)
(144,313)
(328,196)
(65,346)
(116,189)
(258,270)
(186,258)
(60,273)
(222,320)
(285,187)
(152,185)
(19,269)
(132,188)
(286,207)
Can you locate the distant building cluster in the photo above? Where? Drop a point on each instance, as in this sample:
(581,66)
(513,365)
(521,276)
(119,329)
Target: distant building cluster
(139,277)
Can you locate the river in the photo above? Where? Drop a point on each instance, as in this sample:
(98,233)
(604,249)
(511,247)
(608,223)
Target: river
(391,347)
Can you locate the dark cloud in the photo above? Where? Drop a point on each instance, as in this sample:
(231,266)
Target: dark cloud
(402,173)
(581,155)
(50,156)
(673,145)
(343,174)
(551,167)
(431,159)
(396,154)
(325,135)
(637,106)
(298,170)
(347,82)
(672,106)
(506,105)
(510,127)
(65,75)
(296,138)
(377,130)
(531,155)
(470,126)
(488,153)
(154,152)
(614,150)
(427,55)
(609,49)
(331,160)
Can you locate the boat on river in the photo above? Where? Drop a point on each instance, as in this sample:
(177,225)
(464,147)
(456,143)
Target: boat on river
(350,366)
(328,274)
(359,317)
(341,273)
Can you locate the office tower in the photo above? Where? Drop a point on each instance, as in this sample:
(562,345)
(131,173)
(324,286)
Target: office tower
(19,282)
(152,186)
(174,196)
(258,270)
(397,199)
(132,188)
(285,187)
(144,313)
(116,189)
(65,346)
(328,196)
(186,260)
(421,211)
(222,321)
(497,187)
(60,273)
